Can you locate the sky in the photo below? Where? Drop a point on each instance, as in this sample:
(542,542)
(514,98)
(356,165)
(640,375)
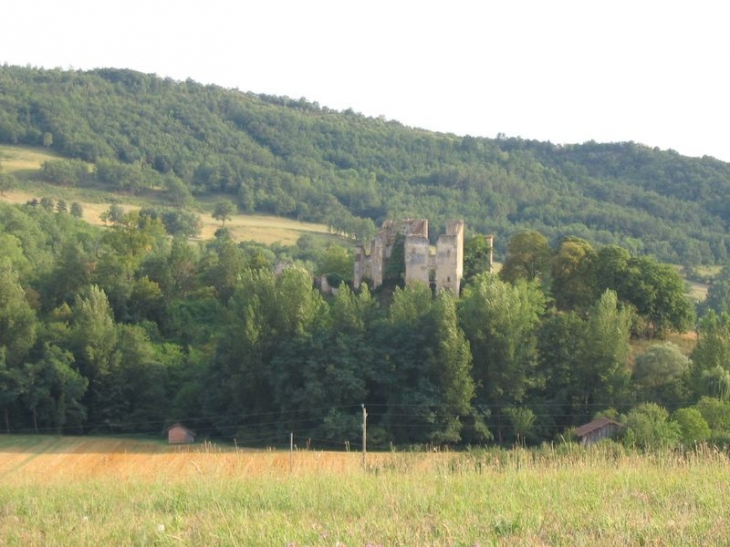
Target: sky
(564,71)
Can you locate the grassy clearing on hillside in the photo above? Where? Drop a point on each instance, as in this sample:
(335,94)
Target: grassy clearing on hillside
(205,496)
(267,229)
(19,160)
(697,291)
(24,161)
(258,228)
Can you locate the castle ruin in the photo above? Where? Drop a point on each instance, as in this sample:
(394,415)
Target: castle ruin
(445,267)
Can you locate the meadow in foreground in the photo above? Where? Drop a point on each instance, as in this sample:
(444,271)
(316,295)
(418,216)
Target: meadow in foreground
(563,496)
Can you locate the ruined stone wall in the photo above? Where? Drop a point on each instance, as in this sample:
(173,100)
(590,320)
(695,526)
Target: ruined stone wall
(447,265)
(378,259)
(450,257)
(361,263)
(417,251)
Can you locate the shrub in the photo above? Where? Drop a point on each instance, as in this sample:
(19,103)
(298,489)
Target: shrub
(693,427)
(648,426)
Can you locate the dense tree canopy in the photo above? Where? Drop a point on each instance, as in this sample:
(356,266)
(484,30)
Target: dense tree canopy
(135,133)
(130,327)
(124,330)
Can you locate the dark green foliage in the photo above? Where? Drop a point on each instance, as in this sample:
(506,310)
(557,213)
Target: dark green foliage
(477,252)
(177,222)
(7,182)
(561,345)
(605,356)
(573,272)
(77,210)
(692,425)
(661,375)
(223,211)
(718,294)
(122,329)
(657,291)
(501,321)
(396,267)
(648,426)
(528,257)
(47,204)
(69,172)
(711,357)
(114,215)
(18,321)
(290,157)
(717,415)
(336,264)
(53,391)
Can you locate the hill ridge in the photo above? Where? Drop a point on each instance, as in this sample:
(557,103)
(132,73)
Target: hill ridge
(295,158)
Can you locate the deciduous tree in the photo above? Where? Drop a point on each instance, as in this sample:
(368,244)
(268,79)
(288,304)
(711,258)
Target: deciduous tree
(528,257)
(223,211)
(18,322)
(605,372)
(661,374)
(573,274)
(500,321)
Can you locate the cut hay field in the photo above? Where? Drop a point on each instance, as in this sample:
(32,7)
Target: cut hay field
(19,160)
(25,162)
(86,491)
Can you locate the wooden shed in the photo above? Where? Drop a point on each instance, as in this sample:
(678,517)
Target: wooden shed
(597,430)
(179,434)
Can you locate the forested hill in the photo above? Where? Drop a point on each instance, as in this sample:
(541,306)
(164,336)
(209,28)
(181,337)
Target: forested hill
(297,158)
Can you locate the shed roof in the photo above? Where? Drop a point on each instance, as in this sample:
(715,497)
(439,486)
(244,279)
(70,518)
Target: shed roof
(595,425)
(181,426)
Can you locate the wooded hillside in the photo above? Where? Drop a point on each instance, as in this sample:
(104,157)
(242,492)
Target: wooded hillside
(296,158)
(129,327)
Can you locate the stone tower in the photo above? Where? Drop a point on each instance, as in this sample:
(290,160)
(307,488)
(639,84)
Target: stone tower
(445,267)
(449,263)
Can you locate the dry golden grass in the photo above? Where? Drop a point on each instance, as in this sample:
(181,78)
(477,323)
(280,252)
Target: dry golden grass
(63,459)
(259,228)
(264,229)
(92,211)
(81,491)
(20,159)
(697,290)
(685,341)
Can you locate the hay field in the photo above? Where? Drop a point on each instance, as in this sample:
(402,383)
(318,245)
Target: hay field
(266,229)
(58,491)
(258,228)
(55,459)
(24,161)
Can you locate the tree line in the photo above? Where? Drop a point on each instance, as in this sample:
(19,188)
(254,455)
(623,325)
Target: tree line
(126,330)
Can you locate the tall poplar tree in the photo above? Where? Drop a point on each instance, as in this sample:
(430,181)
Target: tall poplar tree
(500,321)
(605,374)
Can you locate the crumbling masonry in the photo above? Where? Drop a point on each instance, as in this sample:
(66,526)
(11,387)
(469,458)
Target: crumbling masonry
(445,267)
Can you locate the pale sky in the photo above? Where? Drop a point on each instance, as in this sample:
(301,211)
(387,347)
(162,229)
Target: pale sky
(564,71)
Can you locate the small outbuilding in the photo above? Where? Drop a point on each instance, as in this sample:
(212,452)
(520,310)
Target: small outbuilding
(179,434)
(597,430)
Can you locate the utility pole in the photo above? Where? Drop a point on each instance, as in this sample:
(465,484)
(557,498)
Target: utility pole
(364,434)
